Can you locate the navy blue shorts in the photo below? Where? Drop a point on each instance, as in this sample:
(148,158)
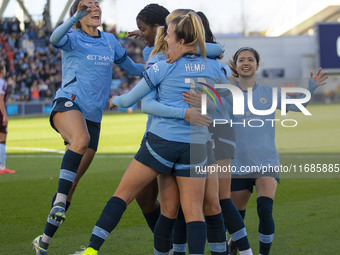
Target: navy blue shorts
(247,181)
(224,141)
(63,105)
(168,157)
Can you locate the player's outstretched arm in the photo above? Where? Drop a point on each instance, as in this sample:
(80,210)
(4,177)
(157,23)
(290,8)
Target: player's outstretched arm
(150,105)
(313,83)
(140,90)
(58,37)
(131,67)
(213,50)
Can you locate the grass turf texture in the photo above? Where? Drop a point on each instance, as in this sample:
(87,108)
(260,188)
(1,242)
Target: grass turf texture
(306,211)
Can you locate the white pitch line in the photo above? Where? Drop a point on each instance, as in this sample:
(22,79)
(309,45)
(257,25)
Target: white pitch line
(35,149)
(55,151)
(129,155)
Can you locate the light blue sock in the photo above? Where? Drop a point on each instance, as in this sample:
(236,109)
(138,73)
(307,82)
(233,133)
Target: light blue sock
(3,154)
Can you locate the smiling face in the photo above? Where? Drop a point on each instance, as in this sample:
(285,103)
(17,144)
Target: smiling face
(148,32)
(246,64)
(94,18)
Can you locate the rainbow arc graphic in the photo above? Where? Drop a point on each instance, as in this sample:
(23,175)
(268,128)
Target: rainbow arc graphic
(209,93)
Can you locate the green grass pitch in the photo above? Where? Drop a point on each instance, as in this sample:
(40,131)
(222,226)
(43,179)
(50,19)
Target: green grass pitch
(306,210)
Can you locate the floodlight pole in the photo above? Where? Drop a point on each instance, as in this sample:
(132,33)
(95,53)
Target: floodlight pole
(62,15)
(3,7)
(27,15)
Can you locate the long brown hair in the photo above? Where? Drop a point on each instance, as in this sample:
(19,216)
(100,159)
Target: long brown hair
(73,10)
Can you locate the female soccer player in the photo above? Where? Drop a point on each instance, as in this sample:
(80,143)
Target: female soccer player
(152,106)
(87,59)
(3,122)
(224,150)
(151,18)
(166,147)
(255,146)
(148,20)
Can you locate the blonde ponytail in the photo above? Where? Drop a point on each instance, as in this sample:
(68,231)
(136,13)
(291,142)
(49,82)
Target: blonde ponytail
(160,43)
(189,27)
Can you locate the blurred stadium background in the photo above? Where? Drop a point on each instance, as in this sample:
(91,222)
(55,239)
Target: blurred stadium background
(288,50)
(306,209)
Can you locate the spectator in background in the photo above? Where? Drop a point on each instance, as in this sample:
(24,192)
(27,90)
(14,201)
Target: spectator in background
(35,96)
(29,53)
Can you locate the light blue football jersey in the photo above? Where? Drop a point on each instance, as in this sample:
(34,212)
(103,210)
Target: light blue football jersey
(146,53)
(255,146)
(153,94)
(173,80)
(87,70)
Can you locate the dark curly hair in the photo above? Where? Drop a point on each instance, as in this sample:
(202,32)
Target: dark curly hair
(153,14)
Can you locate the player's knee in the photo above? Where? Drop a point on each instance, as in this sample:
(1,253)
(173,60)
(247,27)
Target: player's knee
(211,204)
(147,204)
(264,207)
(212,208)
(194,213)
(169,211)
(80,143)
(224,194)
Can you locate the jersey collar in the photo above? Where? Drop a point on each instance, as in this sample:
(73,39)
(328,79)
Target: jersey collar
(88,35)
(246,91)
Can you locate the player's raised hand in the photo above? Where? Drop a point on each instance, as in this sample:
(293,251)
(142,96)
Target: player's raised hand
(135,34)
(320,77)
(111,105)
(84,10)
(176,53)
(194,99)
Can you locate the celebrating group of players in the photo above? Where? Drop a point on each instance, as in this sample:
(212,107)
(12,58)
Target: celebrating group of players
(181,60)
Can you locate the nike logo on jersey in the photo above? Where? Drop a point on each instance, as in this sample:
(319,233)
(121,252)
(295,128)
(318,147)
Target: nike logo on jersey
(87,44)
(155,68)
